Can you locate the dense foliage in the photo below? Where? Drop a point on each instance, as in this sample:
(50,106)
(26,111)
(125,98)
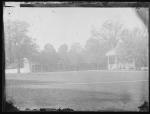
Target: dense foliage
(130,45)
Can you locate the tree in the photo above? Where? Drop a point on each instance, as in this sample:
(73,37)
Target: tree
(18,44)
(49,56)
(92,50)
(63,56)
(134,47)
(103,40)
(75,56)
(95,50)
(141,47)
(110,32)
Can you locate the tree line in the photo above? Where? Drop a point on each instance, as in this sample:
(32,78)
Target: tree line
(129,45)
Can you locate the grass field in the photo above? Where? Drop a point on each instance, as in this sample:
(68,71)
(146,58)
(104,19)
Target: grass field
(79,90)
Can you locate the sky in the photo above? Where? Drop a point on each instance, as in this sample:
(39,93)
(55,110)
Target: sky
(69,25)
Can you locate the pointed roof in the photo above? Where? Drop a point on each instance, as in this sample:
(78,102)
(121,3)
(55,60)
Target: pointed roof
(111,52)
(114,50)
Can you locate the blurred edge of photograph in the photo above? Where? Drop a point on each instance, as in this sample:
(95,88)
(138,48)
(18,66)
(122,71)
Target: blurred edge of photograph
(76,58)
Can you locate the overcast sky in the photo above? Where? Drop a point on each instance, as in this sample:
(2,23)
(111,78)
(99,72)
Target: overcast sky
(68,25)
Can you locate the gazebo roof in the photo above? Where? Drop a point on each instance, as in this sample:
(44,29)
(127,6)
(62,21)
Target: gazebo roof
(114,51)
(111,52)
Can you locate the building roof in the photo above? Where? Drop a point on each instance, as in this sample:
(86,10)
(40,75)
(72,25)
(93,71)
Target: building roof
(115,50)
(111,52)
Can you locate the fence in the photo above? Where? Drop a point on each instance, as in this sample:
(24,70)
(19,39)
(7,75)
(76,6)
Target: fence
(61,67)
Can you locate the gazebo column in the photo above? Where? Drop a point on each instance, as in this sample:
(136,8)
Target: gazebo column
(109,54)
(116,61)
(108,63)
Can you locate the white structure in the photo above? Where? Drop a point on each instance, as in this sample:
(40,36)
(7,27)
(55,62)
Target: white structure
(115,65)
(25,69)
(112,53)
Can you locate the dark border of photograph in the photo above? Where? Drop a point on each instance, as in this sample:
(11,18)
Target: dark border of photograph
(8,106)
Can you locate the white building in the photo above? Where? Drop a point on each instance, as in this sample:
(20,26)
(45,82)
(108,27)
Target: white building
(25,69)
(115,64)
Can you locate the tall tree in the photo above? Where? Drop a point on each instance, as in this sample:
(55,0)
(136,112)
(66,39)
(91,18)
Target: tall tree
(95,50)
(75,56)
(18,44)
(102,40)
(134,47)
(49,56)
(63,56)
(110,32)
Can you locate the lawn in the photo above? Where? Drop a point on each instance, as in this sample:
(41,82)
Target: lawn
(79,90)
